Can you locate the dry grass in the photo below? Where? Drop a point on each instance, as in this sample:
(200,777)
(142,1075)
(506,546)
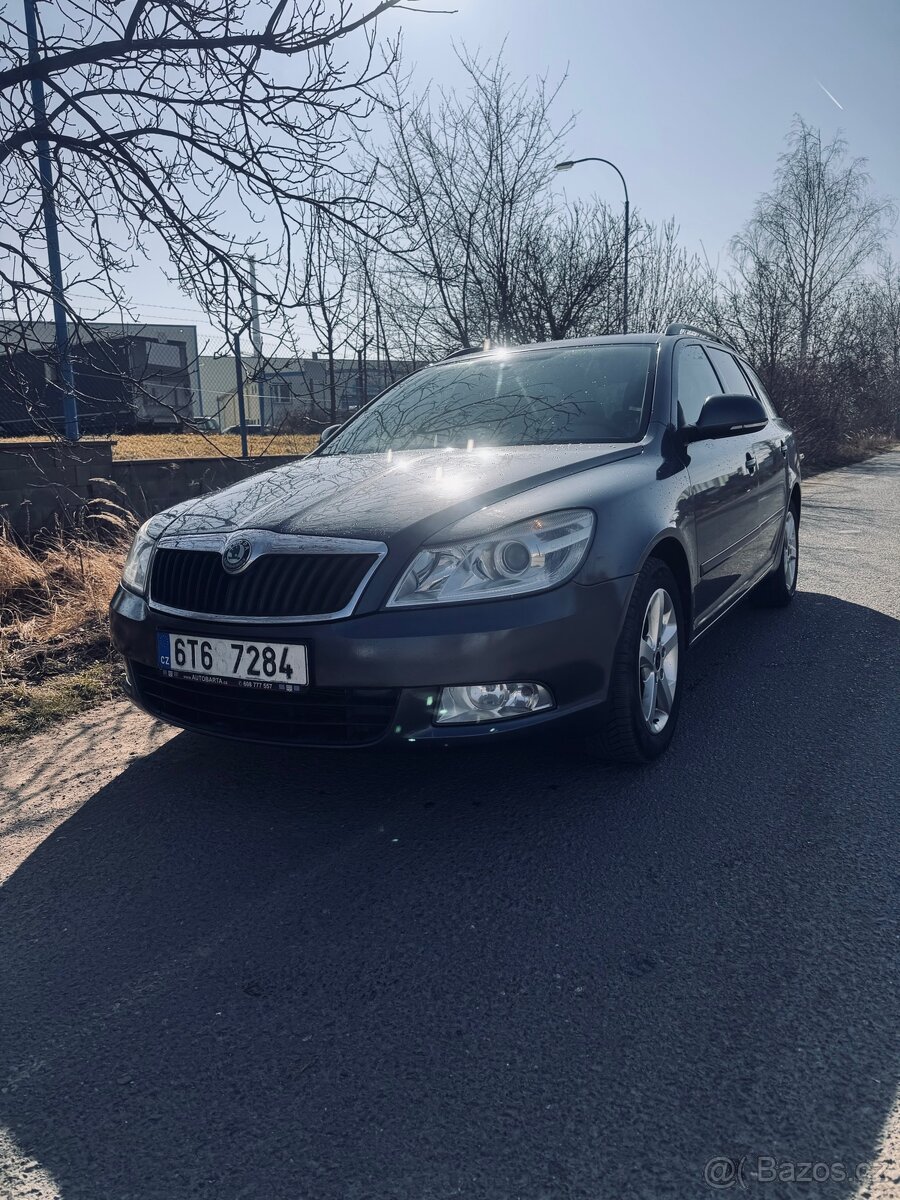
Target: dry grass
(854,450)
(201,445)
(55,653)
(196,445)
(50,591)
(26,708)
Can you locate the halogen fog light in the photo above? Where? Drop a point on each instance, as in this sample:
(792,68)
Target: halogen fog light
(480,702)
(488,697)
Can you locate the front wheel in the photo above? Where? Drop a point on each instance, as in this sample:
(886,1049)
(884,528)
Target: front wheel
(779,586)
(647,676)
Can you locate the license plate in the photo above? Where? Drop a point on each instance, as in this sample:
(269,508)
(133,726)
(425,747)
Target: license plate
(272,666)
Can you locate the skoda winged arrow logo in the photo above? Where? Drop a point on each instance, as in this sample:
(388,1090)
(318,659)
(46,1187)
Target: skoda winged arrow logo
(236,555)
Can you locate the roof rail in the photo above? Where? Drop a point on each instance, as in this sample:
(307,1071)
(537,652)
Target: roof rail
(485,346)
(677,327)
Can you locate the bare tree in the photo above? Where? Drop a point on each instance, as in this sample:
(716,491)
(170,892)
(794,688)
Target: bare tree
(491,248)
(326,289)
(572,275)
(887,306)
(811,234)
(471,168)
(803,302)
(569,278)
(667,283)
(756,305)
(408,313)
(200,128)
(869,348)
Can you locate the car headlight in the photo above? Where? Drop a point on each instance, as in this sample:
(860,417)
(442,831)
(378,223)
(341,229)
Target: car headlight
(529,556)
(137,564)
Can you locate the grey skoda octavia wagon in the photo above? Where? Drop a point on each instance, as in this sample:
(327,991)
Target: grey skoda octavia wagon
(502,540)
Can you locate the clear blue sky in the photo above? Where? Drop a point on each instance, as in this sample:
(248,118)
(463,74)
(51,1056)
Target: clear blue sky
(692,100)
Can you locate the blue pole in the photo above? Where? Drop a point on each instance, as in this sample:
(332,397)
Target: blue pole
(256,339)
(54,262)
(239,379)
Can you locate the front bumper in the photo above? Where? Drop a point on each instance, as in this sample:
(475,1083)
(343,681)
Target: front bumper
(565,639)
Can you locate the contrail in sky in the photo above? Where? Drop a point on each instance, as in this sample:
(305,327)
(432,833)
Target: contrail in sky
(829,95)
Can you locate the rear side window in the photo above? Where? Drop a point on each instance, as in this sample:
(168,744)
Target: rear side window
(733,379)
(694,381)
(760,390)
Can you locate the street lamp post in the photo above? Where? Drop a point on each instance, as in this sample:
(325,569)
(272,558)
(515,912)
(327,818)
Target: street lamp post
(567,166)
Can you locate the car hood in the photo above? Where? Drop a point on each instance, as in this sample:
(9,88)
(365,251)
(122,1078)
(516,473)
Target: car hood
(379,497)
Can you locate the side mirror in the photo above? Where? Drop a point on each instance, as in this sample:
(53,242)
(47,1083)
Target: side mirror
(328,433)
(726,416)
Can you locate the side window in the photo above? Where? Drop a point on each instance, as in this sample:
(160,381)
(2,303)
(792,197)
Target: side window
(760,390)
(694,381)
(733,378)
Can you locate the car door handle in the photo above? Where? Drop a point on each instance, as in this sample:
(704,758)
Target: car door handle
(783,445)
(751,463)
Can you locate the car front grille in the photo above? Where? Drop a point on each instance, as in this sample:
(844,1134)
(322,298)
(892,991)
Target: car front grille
(273,586)
(315,716)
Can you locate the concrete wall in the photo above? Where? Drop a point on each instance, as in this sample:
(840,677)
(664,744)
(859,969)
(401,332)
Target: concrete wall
(45,484)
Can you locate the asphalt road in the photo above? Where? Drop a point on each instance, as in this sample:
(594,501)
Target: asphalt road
(494,974)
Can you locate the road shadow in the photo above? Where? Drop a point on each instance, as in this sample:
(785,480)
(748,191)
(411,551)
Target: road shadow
(241,972)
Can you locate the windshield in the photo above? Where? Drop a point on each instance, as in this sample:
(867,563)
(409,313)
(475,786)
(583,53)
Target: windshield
(526,398)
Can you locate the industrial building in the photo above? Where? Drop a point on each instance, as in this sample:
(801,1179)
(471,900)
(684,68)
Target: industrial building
(292,393)
(127,377)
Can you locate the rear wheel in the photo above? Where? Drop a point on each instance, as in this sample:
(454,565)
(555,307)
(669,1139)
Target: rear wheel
(646,680)
(779,586)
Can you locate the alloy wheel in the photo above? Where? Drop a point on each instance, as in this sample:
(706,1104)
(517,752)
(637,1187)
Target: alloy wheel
(789,556)
(658,660)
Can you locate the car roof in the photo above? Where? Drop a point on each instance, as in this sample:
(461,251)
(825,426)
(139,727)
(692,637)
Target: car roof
(604,340)
(563,344)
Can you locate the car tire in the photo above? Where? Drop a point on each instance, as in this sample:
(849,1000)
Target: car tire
(780,585)
(653,641)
